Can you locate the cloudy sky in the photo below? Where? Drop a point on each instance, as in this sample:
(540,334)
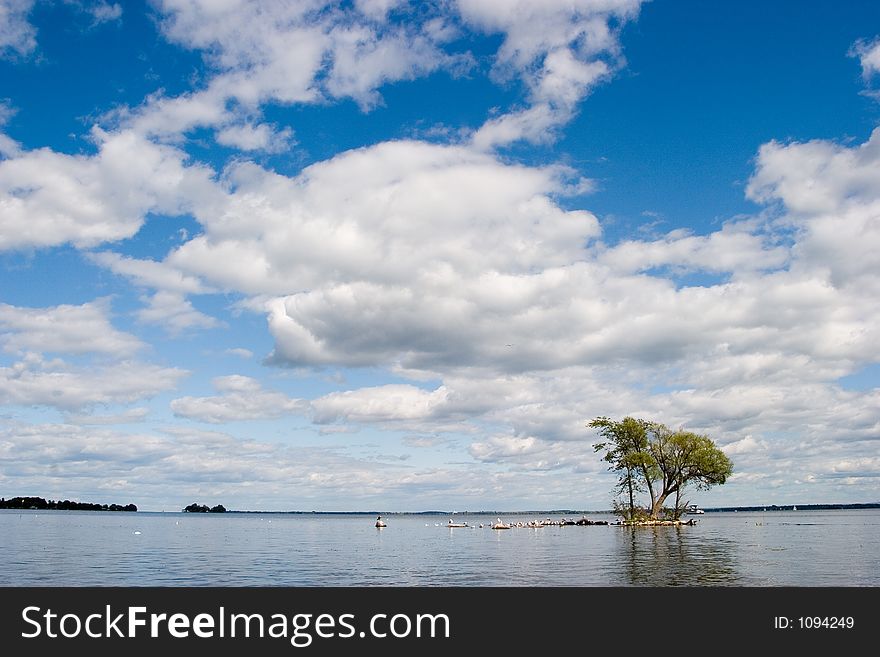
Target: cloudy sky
(395,255)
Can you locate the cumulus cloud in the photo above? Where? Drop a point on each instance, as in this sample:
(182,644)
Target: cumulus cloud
(242,398)
(260,137)
(388,403)
(560,49)
(831,195)
(49,198)
(8,146)
(315,51)
(397,406)
(286,53)
(736,248)
(17,35)
(84,329)
(149,273)
(34,381)
(868,53)
(167,306)
(174,313)
(403,225)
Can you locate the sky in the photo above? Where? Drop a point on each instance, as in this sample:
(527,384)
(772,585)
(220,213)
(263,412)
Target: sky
(390,255)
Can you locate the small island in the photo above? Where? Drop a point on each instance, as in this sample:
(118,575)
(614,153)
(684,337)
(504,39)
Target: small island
(40,504)
(203,508)
(649,457)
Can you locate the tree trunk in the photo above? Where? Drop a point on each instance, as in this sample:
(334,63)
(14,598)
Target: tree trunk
(629,481)
(657,506)
(646,476)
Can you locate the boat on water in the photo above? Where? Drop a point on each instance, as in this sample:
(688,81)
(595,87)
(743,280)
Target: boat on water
(379,522)
(693,509)
(457,524)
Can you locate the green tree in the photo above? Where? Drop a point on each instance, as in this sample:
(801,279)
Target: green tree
(682,459)
(651,457)
(625,444)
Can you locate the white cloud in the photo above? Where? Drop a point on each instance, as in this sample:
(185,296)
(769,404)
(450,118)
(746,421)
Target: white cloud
(286,53)
(735,248)
(240,352)
(831,193)
(534,454)
(364,60)
(259,137)
(36,382)
(49,198)
(64,329)
(94,419)
(16,33)
(379,220)
(242,398)
(868,53)
(309,52)
(817,177)
(149,273)
(386,403)
(560,48)
(102,11)
(377,9)
(174,313)
(8,146)
(167,306)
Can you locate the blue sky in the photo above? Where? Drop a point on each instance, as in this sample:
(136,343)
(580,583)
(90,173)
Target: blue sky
(391,255)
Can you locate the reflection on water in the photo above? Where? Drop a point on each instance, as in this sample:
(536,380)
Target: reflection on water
(78,548)
(674,556)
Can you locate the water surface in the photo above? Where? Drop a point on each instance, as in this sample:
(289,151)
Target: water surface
(781,548)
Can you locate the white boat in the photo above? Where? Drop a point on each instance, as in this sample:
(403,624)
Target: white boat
(694,510)
(380,523)
(457,524)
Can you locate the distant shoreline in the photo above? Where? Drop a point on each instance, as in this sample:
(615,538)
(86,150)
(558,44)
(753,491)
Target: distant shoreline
(794,507)
(68,505)
(544,512)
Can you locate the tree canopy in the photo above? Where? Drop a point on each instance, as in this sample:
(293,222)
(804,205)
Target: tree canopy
(650,457)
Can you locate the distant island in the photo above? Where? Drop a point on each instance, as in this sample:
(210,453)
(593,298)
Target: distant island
(61,505)
(203,508)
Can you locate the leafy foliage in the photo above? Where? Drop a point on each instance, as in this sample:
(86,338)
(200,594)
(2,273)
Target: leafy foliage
(652,458)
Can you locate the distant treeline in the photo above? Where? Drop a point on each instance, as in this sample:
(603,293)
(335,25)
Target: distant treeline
(203,508)
(801,507)
(60,505)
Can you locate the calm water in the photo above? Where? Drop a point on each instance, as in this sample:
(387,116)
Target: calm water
(802,548)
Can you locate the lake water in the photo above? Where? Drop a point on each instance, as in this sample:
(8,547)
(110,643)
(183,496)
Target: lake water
(781,548)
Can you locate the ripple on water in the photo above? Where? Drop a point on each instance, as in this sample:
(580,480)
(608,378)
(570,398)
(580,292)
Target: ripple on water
(83,548)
